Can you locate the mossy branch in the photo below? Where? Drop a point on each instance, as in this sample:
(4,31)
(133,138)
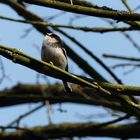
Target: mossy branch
(85,29)
(72,130)
(55,94)
(51,70)
(27,93)
(46,68)
(113,14)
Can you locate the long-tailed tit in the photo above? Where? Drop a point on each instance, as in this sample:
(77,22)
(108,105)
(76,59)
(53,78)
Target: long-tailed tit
(53,51)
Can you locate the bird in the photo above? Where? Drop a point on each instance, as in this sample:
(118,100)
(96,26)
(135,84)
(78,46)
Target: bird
(53,51)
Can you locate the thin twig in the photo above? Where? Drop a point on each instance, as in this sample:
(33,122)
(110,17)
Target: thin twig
(91,55)
(86,29)
(113,121)
(129,71)
(122,57)
(124,65)
(126,35)
(25,115)
(47,103)
(56,16)
(126,5)
(2,71)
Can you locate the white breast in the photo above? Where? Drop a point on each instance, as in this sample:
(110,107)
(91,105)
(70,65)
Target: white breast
(52,53)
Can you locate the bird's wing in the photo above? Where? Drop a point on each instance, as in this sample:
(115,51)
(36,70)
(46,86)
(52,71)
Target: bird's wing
(65,53)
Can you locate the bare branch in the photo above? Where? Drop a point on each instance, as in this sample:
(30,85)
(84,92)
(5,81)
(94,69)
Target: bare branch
(46,68)
(54,94)
(126,5)
(72,130)
(124,65)
(2,71)
(91,55)
(116,15)
(122,57)
(85,29)
(131,40)
(17,121)
(83,64)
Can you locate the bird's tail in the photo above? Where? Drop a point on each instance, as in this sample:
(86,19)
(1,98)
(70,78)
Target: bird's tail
(67,87)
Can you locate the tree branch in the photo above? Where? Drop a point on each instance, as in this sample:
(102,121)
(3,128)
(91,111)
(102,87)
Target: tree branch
(126,101)
(85,29)
(46,68)
(22,11)
(122,57)
(116,15)
(23,93)
(92,56)
(72,130)
(51,70)
(17,120)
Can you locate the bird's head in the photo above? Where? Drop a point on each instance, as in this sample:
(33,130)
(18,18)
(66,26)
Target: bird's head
(52,38)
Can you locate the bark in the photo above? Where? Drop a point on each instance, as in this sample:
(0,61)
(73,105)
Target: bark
(73,130)
(106,13)
(23,93)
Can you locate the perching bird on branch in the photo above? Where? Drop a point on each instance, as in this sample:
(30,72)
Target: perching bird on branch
(53,52)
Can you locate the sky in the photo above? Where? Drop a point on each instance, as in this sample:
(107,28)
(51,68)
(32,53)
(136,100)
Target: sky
(111,43)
